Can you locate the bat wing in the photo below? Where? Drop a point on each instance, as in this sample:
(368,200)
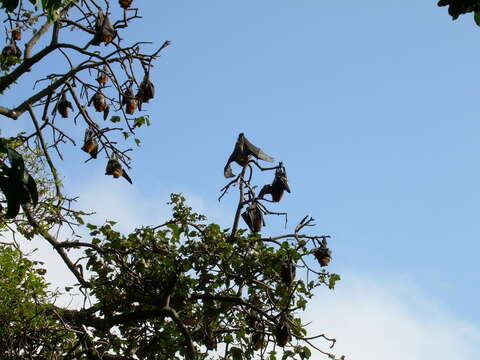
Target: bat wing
(125,175)
(227,170)
(251,149)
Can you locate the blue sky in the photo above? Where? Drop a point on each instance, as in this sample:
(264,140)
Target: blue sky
(373,108)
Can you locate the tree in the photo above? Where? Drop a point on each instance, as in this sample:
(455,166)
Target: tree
(171,291)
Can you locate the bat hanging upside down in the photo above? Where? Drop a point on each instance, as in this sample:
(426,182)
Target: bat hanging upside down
(278,186)
(115,169)
(90,144)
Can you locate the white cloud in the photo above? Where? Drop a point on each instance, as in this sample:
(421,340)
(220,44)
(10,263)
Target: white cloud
(378,321)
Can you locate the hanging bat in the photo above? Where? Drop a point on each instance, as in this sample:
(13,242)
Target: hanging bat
(12,50)
(129,101)
(104,31)
(115,169)
(253,217)
(100,104)
(257,340)
(323,255)
(241,154)
(282,332)
(278,186)
(62,106)
(287,272)
(90,144)
(146,90)
(209,338)
(125,4)
(102,77)
(16,34)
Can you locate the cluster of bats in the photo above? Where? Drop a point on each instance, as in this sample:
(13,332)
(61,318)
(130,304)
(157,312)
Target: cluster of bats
(104,32)
(242,154)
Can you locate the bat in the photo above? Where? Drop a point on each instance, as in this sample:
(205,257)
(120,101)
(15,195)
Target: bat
(104,31)
(257,340)
(125,4)
(12,50)
(241,154)
(16,34)
(278,186)
(115,169)
(62,106)
(209,338)
(282,332)
(129,101)
(90,144)
(102,77)
(146,91)
(323,255)
(287,272)
(253,217)
(100,104)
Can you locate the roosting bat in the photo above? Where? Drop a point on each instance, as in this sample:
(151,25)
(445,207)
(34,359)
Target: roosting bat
(115,169)
(253,217)
(104,31)
(282,332)
(90,144)
(278,186)
(129,101)
(241,154)
(62,106)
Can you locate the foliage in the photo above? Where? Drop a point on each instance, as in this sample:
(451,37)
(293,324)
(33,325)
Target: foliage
(183,289)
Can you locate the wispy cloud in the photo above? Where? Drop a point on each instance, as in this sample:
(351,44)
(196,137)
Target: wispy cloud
(378,321)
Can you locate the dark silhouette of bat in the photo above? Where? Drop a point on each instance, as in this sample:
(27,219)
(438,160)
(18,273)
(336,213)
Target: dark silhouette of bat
(100,103)
(115,169)
(257,340)
(104,31)
(253,217)
(12,50)
(16,34)
(282,332)
(125,4)
(62,106)
(129,101)
(102,77)
(278,186)
(322,254)
(287,272)
(241,154)
(90,144)
(146,91)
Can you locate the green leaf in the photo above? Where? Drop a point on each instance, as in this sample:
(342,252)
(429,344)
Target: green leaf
(333,279)
(115,119)
(137,141)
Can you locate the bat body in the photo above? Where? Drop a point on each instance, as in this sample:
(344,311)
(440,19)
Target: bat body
(102,77)
(62,106)
(100,104)
(16,34)
(282,333)
(146,91)
(104,31)
(90,144)
(129,101)
(287,272)
(12,50)
(278,186)
(257,340)
(241,154)
(253,217)
(125,4)
(115,169)
(323,255)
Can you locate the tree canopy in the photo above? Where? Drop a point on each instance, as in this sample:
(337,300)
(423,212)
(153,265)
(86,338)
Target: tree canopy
(185,288)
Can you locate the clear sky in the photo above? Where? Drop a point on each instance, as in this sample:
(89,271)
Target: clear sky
(372,106)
